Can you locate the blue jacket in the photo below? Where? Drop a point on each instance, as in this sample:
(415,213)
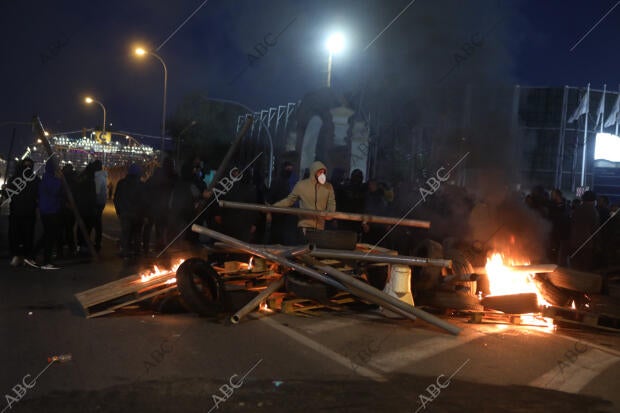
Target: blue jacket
(50,191)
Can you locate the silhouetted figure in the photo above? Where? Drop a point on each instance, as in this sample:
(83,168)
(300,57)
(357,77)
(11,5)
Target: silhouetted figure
(159,188)
(238,223)
(560,229)
(50,203)
(583,224)
(86,200)
(129,202)
(22,191)
(101,190)
(283,226)
(67,217)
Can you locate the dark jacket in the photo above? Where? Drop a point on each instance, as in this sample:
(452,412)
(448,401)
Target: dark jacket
(86,195)
(23,201)
(129,197)
(50,191)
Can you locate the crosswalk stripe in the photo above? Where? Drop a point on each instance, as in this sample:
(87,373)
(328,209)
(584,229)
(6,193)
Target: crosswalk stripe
(319,348)
(572,376)
(390,361)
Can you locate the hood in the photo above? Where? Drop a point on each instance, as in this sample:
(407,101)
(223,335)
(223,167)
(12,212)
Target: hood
(315,166)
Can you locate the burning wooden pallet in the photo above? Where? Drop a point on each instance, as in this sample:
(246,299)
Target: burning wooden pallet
(305,306)
(112,296)
(571,316)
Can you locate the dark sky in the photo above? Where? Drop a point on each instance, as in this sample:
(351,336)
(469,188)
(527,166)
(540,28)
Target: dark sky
(88,47)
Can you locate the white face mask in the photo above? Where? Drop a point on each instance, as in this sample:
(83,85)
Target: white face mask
(322,179)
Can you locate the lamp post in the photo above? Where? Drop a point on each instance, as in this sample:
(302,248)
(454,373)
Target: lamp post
(334,44)
(90,100)
(142,52)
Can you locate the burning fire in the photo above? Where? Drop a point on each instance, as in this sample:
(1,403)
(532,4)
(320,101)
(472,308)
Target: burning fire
(505,280)
(157,272)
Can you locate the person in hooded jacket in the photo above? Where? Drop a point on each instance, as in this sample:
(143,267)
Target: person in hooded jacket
(313,193)
(50,204)
(129,204)
(22,210)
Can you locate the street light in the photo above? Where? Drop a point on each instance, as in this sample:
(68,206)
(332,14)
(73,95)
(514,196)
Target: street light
(140,52)
(335,43)
(90,100)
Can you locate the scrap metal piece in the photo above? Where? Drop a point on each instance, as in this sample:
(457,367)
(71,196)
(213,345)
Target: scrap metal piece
(354,285)
(324,214)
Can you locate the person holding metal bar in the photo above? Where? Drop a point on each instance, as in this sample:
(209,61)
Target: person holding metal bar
(314,193)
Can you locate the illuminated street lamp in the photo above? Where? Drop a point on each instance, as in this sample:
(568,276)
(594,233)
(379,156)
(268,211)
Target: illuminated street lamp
(140,52)
(90,100)
(335,43)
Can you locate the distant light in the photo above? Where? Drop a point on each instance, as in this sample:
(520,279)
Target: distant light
(335,43)
(140,51)
(39,141)
(46,133)
(88,99)
(607,147)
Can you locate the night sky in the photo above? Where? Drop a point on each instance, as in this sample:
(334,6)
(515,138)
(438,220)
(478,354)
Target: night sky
(56,52)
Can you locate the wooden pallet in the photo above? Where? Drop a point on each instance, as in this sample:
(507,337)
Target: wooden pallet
(304,306)
(560,315)
(109,297)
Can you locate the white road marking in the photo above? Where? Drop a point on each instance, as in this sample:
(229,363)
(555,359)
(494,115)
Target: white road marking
(330,324)
(319,348)
(388,362)
(573,376)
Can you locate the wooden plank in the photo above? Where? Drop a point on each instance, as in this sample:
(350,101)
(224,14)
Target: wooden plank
(126,303)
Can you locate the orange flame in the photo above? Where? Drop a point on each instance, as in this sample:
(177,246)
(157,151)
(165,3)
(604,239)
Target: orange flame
(157,272)
(503,280)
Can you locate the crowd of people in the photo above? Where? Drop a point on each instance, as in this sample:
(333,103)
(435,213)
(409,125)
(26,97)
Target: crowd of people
(157,208)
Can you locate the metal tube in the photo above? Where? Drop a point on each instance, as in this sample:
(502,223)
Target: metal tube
(324,214)
(356,287)
(384,258)
(255,302)
(530,269)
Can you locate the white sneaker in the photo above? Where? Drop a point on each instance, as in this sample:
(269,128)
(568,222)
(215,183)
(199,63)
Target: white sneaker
(31,262)
(49,267)
(16,261)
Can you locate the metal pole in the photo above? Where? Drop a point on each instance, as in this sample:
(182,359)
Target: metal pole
(383,258)
(324,214)
(163,115)
(585,138)
(356,286)
(329,70)
(560,156)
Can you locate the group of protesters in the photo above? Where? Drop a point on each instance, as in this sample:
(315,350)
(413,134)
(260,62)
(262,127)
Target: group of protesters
(26,193)
(156,209)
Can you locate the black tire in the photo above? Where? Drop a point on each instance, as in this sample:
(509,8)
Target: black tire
(426,278)
(333,240)
(585,282)
(199,286)
(552,294)
(305,287)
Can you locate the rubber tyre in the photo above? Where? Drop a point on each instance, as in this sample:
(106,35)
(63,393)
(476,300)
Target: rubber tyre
(199,286)
(585,282)
(305,287)
(426,278)
(552,294)
(333,240)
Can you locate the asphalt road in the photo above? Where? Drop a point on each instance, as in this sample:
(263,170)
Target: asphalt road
(347,361)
